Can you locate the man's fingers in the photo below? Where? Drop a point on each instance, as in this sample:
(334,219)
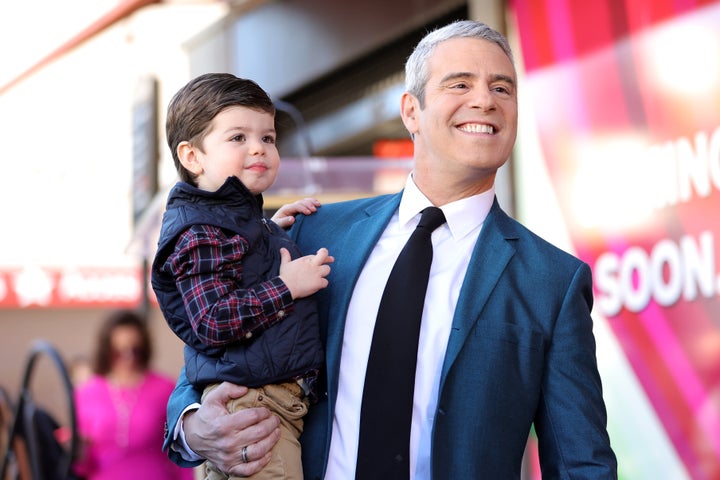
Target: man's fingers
(224,393)
(257,454)
(221,438)
(254,424)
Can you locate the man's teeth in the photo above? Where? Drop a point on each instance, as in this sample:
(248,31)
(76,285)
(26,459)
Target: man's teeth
(475,128)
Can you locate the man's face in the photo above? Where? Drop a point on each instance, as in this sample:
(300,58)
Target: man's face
(468,125)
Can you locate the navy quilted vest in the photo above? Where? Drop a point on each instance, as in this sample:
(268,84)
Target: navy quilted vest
(288,349)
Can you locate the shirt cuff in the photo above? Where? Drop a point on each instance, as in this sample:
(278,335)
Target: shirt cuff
(179,443)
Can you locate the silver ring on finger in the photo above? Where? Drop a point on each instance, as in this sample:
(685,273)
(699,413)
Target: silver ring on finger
(243,454)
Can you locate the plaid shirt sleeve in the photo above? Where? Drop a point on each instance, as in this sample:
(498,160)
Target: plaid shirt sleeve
(207,267)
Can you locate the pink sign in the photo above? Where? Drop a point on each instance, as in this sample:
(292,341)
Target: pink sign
(627,102)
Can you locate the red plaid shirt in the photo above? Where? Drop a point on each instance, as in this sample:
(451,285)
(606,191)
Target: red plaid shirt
(207,267)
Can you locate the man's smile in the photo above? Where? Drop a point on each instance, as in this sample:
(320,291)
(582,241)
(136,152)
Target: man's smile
(477,128)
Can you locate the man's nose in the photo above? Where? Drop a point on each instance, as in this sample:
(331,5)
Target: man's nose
(484,99)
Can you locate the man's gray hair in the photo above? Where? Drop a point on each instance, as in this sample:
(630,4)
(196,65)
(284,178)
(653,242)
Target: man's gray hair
(416,67)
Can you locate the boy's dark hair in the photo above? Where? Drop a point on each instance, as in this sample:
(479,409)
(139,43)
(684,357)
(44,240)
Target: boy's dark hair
(194,106)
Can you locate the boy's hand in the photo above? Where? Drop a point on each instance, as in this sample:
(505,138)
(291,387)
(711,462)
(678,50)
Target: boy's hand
(285,216)
(305,275)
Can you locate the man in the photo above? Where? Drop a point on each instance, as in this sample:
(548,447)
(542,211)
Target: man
(506,338)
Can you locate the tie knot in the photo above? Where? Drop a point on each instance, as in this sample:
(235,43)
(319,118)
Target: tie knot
(432,218)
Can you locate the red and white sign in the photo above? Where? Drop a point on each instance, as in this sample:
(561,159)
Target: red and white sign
(52,287)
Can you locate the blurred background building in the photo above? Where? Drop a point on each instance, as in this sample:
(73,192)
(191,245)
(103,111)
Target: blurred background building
(617,161)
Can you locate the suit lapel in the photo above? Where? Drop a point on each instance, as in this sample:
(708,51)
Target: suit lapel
(489,258)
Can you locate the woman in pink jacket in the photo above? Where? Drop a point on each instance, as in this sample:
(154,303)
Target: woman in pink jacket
(121,408)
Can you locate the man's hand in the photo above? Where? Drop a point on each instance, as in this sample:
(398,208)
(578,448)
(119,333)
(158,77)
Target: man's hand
(220,436)
(285,216)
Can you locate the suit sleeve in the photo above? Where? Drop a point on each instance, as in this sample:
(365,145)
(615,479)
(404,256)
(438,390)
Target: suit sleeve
(182,396)
(571,419)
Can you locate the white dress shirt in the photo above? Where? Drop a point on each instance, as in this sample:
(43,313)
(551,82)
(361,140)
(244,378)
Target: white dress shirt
(452,246)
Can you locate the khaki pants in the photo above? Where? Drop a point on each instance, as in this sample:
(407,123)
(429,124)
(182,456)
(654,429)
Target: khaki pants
(286,400)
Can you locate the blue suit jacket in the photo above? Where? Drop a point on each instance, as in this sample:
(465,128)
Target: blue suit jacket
(521,351)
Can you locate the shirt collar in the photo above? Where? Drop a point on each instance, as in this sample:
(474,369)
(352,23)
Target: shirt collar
(463,216)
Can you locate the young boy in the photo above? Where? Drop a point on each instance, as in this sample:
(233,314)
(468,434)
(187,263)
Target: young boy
(223,273)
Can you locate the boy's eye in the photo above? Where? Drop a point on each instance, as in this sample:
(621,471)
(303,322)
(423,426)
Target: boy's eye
(269,139)
(240,137)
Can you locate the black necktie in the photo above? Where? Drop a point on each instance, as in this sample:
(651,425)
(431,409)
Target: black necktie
(386,415)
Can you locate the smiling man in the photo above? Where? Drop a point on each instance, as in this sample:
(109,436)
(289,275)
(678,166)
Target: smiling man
(505,338)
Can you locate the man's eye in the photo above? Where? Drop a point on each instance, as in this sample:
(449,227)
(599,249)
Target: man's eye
(459,86)
(502,89)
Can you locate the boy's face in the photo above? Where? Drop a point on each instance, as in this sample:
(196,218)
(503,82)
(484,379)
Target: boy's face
(241,143)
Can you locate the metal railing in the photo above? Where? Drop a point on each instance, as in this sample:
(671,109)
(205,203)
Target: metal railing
(32,428)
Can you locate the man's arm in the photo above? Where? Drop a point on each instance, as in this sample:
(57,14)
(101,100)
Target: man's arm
(182,397)
(571,419)
(216,435)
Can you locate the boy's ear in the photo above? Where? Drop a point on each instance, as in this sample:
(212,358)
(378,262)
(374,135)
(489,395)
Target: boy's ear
(187,154)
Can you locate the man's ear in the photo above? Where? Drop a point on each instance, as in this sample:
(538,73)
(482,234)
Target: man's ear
(409,109)
(188,156)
